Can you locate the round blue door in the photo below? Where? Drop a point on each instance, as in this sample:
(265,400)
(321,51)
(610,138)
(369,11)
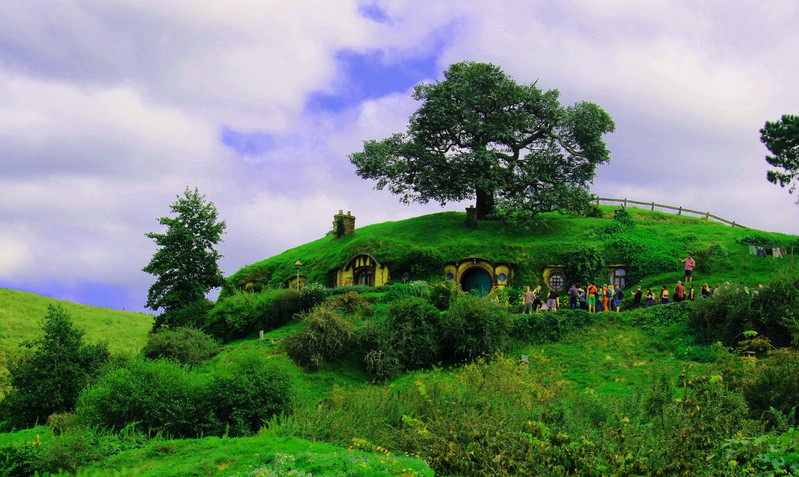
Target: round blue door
(476,280)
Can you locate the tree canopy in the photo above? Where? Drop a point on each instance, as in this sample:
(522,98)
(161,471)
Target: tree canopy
(480,135)
(782,139)
(186,262)
(49,379)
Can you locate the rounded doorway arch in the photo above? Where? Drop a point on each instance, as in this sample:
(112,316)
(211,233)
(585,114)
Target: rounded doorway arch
(477,280)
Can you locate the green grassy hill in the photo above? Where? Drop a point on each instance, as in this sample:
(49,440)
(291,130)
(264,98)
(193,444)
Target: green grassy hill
(652,249)
(20,313)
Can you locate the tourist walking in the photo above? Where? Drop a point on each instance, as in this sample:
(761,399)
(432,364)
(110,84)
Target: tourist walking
(637,297)
(679,292)
(574,294)
(690,263)
(528,301)
(552,301)
(650,298)
(591,295)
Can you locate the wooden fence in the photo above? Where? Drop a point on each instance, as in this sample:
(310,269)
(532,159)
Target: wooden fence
(679,210)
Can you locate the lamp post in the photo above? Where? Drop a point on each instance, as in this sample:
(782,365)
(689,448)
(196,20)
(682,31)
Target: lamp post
(297,265)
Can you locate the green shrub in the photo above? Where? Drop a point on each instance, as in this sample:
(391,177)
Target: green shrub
(81,446)
(474,326)
(326,335)
(49,379)
(160,395)
(184,345)
(249,391)
(351,302)
(414,332)
(312,295)
(400,291)
(193,315)
(584,264)
(538,328)
(773,385)
(285,304)
(242,313)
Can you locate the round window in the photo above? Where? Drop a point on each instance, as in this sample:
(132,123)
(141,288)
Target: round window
(450,276)
(556,281)
(502,277)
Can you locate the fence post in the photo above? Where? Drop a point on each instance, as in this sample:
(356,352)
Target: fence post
(707,215)
(653,206)
(679,212)
(625,202)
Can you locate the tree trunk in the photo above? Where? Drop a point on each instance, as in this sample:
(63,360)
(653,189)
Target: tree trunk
(485,203)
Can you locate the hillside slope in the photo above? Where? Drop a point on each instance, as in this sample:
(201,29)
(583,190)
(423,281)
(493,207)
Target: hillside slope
(420,246)
(20,313)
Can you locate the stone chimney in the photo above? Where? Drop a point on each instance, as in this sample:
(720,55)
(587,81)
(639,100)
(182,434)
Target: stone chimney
(343,225)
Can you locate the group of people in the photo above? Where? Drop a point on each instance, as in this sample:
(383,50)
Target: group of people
(591,298)
(608,297)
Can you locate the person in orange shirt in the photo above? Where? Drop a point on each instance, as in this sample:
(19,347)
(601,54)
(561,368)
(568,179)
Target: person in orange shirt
(605,298)
(591,293)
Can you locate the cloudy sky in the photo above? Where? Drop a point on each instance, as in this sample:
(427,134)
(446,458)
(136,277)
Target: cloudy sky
(110,108)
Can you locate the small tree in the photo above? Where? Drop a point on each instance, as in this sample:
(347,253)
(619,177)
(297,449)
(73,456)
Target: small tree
(186,262)
(49,379)
(479,135)
(782,139)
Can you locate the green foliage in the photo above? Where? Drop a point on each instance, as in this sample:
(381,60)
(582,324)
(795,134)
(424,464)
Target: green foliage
(414,332)
(161,396)
(249,391)
(782,140)
(400,291)
(708,259)
(584,265)
(733,309)
(326,335)
(474,326)
(49,379)
(242,313)
(771,387)
(643,255)
(540,328)
(184,345)
(192,315)
(80,446)
(185,264)
(165,398)
(312,295)
(478,134)
(419,263)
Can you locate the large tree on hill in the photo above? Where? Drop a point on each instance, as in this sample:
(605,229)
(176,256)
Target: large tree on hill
(480,135)
(782,139)
(186,262)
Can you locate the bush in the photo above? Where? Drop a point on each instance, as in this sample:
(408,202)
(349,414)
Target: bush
(193,315)
(312,295)
(184,345)
(249,391)
(160,395)
(351,302)
(414,332)
(49,379)
(242,313)
(400,291)
(584,265)
(165,398)
(538,328)
(474,326)
(326,335)
(774,385)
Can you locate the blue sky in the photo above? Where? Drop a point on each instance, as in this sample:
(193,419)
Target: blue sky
(109,110)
